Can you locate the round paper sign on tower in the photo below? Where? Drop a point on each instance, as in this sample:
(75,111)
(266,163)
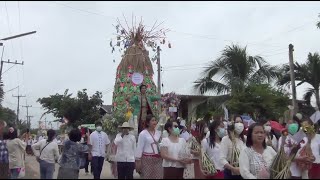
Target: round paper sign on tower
(137,78)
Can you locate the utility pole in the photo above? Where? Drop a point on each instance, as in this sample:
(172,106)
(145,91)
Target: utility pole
(18,108)
(159,75)
(28,121)
(293,84)
(9,62)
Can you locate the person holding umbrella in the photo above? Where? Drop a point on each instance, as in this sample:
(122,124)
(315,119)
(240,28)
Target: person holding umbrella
(125,156)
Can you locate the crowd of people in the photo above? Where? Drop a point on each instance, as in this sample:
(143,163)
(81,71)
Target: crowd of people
(167,153)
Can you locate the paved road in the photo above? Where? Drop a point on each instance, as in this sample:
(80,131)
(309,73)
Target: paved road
(33,172)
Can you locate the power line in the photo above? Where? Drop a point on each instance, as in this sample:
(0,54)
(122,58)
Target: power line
(21,51)
(82,10)
(8,22)
(8,69)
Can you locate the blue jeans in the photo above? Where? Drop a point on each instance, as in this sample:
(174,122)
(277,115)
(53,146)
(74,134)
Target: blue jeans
(97,164)
(14,173)
(46,170)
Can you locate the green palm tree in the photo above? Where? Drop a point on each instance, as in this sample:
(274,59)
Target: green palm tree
(309,73)
(236,69)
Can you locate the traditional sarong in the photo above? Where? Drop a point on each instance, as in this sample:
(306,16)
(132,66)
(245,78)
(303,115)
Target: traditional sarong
(151,167)
(197,170)
(314,172)
(219,175)
(172,173)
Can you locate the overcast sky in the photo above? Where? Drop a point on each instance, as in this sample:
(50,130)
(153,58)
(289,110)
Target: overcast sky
(71,47)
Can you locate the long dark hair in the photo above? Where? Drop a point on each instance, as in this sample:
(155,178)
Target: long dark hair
(168,125)
(249,142)
(231,128)
(51,134)
(148,119)
(212,127)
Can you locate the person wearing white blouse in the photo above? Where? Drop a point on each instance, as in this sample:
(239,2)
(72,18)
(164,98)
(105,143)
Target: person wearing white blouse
(231,169)
(147,155)
(255,160)
(212,145)
(174,153)
(126,146)
(271,139)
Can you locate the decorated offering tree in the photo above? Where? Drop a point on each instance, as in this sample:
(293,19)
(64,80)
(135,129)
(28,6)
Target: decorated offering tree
(134,70)
(171,103)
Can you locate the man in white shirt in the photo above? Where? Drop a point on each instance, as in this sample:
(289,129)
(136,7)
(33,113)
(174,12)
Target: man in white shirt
(184,133)
(99,142)
(126,146)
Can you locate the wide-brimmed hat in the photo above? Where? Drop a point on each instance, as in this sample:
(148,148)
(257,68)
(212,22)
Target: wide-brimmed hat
(125,125)
(183,123)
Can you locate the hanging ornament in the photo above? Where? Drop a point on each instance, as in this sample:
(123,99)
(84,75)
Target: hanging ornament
(130,69)
(163,41)
(169,45)
(122,31)
(118,43)
(118,37)
(114,61)
(111,43)
(112,50)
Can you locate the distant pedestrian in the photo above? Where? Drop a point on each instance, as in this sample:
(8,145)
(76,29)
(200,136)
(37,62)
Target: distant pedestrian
(47,153)
(126,146)
(16,149)
(71,155)
(99,141)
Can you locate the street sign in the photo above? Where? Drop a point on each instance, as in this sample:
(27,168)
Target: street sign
(90,126)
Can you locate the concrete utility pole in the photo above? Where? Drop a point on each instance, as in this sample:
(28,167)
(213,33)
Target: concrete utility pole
(18,108)
(159,75)
(28,122)
(293,84)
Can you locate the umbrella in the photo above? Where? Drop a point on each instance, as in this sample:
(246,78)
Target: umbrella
(276,126)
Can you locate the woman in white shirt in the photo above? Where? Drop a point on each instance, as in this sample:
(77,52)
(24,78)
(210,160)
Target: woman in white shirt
(16,149)
(211,146)
(171,148)
(314,167)
(47,153)
(148,159)
(293,127)
(231,169)
(271,139)
(255,160)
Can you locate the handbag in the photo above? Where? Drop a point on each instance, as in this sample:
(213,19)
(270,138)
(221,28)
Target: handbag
(38,158)
(22,171)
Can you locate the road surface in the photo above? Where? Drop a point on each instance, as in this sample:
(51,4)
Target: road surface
(33,170)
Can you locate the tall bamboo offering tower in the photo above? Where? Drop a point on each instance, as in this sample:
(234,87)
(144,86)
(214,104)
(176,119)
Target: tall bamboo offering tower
(135,68)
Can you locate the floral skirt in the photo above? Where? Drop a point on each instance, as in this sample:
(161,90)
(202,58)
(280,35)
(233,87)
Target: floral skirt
(151,167)
(189,172)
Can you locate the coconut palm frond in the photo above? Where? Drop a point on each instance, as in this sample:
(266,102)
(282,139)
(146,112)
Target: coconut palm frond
(206,84)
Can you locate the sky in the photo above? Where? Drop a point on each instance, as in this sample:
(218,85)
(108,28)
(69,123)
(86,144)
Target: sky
(71,47)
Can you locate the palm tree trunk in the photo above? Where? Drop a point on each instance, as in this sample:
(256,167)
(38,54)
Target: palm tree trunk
(317,98)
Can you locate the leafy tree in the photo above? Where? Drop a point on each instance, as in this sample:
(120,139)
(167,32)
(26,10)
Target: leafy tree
(237,70)
(8,115)
(318,23)
(308,72)
(259,99)
(82,108)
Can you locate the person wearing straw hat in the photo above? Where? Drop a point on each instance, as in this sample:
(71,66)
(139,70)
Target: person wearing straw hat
(125,157)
